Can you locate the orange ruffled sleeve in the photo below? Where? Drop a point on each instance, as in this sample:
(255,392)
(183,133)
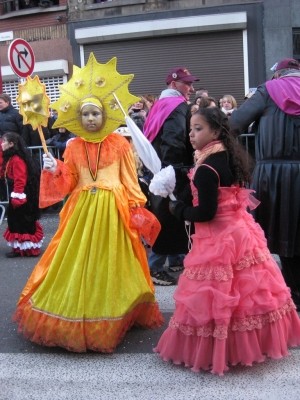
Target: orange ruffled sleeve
(54,187)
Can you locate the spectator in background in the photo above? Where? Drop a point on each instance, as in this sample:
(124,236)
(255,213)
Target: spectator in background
(167,129)
(10,119)
(149,99)
(51,120)
(59,141)
(32,138)
(202,92)
(203,102)
(207,101)
(138,112)
(194,108)
(228,104)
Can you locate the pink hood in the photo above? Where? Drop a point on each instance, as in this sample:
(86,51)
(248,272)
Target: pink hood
(285,92)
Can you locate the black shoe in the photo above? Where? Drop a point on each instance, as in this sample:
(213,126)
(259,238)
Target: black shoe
(12,254)
(175,268)
(163,279)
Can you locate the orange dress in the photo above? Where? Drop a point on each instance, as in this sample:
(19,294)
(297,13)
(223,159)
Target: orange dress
(93,282)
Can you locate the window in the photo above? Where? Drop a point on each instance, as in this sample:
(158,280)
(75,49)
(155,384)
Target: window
(296,43)
(16,5)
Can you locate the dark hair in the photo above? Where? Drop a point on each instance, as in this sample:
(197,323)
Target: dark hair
(206,101)
(5,97)
(19,147)
(240,161)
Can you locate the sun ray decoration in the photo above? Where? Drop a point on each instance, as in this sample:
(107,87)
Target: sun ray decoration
(34,105)
(101,81)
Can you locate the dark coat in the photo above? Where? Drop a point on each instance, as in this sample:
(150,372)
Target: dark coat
(276,178)
(11,121)
(173,148)
(31,136)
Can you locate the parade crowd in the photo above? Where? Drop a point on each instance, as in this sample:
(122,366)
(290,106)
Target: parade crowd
(229,211)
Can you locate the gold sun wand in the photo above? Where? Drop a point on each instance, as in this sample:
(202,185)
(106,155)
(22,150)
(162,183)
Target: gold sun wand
(34,105)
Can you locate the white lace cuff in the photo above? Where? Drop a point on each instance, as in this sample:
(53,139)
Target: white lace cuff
(18,195)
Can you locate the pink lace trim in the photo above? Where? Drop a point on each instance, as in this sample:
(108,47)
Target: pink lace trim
(257,257)
(210,329)
(209,272)
(225,272)
(259,321)
(244,324)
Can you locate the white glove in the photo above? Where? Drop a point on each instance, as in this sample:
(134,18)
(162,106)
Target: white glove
(163,182)
(49,162)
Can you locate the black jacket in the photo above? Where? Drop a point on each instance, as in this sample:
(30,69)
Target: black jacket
(11,121)
(173,148)
(276,178)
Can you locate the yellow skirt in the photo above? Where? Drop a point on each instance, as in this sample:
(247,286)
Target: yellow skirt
(90,286)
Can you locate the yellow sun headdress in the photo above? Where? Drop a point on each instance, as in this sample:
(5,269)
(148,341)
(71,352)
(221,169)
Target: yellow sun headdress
(97,84)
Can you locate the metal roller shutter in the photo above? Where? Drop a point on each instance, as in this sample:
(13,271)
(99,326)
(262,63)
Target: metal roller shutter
(216,57)
(51,83)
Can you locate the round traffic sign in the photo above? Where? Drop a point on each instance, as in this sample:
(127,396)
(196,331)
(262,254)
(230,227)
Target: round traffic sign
(21,58)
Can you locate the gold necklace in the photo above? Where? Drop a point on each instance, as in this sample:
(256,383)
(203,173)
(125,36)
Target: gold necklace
(93,174)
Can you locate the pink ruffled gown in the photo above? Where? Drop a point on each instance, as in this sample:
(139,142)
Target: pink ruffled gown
(232,305)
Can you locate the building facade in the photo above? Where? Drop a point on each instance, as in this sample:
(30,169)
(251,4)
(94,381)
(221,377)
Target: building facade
(43,24)
(231,45)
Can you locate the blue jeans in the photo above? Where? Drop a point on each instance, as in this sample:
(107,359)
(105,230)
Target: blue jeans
(157,261)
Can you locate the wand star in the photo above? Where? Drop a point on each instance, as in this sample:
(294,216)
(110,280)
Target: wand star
(33,102)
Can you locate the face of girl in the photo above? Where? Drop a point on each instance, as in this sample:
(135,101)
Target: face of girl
(91,118)
(201,133)
(5,144)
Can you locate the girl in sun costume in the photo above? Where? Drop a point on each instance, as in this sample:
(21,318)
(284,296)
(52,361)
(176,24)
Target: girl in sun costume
(92,283)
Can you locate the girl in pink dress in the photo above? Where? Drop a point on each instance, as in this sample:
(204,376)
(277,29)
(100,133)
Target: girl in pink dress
(232,305)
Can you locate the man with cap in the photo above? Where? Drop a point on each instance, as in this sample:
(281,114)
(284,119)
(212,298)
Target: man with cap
(167,126)
(275,109)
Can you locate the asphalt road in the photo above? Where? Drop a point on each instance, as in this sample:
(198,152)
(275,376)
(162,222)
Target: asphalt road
(32,372)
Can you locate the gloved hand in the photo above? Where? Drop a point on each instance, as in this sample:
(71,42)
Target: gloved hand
(49,162)
(17,202)
(176,208)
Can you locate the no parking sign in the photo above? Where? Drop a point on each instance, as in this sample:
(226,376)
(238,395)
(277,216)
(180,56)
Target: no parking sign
(21,58)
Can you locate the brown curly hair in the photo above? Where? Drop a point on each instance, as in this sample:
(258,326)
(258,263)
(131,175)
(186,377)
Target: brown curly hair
(240,161)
